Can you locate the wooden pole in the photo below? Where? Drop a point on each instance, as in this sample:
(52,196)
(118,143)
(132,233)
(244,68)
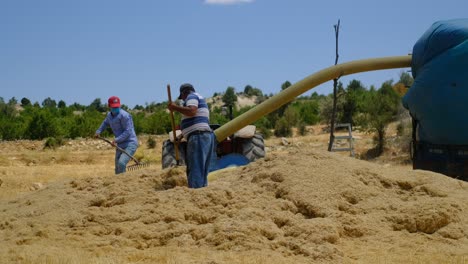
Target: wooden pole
(176,143)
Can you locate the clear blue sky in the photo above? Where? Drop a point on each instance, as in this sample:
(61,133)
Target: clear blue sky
(80,50)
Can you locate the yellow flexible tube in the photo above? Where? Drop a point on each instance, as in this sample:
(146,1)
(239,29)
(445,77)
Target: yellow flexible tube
(306,84)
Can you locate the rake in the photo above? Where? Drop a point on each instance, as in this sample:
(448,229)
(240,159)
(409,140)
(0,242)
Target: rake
(138,165)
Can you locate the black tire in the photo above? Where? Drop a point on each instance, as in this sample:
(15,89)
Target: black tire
(253,148)
(168,154)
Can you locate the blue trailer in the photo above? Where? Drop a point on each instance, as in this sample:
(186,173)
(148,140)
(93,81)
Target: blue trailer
(438,99)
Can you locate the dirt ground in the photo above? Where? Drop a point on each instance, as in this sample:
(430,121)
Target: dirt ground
(301,204)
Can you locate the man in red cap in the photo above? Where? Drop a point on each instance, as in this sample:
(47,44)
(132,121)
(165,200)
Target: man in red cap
(121,123)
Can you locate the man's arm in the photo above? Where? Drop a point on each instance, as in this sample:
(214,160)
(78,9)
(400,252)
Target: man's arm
(101,128)
(190,110)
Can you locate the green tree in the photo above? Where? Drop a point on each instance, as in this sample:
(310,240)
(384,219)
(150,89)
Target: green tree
(309,112)
(25,102)
(326,105)
(49,103)
(229,99)
(283,108)
(42,125)
(62,104)
(138,121)
(248,90)
(85,124)
(406,79)
(13,101)
(354,93)
(138,107)
(380,108)
(285,85)
(97,105)
(77,107)
(257,92)
(10,128)
(217,116)
(8,110)
(158,123)
(402,86)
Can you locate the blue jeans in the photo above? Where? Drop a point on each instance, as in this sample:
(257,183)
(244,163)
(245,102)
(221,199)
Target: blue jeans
(201,150)
(121,159)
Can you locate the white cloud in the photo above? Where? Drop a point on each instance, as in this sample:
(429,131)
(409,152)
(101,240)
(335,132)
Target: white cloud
(226,2)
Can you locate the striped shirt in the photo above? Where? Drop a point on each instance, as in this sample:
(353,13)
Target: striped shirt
(201,120)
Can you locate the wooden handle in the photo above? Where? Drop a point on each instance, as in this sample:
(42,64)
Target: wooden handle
(121,149)
(176,144)
(169,93)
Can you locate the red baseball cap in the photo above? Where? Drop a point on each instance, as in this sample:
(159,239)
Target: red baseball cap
(114,101)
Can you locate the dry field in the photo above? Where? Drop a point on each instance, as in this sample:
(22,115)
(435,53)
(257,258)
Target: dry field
(301,204)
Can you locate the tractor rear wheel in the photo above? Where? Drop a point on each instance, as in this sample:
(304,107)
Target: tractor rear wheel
(168,154)
(253,148)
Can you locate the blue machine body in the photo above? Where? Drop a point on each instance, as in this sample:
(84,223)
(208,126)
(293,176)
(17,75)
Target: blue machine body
(438,98)
(230,160)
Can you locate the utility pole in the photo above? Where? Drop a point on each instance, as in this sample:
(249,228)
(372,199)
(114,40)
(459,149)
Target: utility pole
(335,96)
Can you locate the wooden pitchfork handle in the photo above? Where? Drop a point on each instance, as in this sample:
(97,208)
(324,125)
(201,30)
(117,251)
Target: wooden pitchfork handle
(119,148)
(174,134)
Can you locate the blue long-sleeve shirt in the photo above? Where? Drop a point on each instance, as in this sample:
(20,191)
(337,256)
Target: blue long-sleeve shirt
(122,127)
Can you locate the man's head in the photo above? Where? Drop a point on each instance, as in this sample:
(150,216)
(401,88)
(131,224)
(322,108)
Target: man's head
(185,89)
(113,102)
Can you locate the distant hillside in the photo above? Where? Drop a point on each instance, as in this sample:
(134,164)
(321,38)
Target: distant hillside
(242,101)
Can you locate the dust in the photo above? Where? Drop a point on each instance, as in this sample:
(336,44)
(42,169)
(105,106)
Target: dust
(298,205)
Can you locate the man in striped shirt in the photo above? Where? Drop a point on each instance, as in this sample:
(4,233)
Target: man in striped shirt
(201,142)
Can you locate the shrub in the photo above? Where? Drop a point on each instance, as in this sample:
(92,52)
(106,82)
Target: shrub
(53,143)
(265,132)
(282,129)
(151,143)
(302,129)
(43,124)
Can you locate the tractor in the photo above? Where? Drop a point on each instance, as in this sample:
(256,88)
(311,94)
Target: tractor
(242,147)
